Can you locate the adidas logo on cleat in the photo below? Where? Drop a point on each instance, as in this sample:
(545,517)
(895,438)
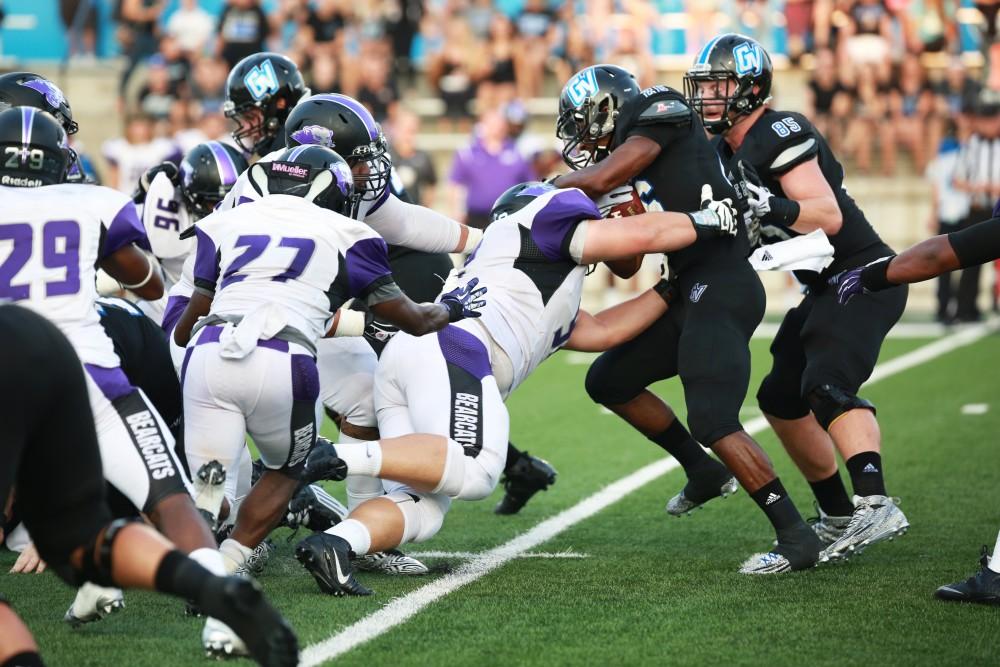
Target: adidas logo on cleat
(772,498)
(869,468)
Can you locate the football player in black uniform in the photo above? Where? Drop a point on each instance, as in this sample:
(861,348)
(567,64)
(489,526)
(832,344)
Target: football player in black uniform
(260,93)
(822,353)
(615,134)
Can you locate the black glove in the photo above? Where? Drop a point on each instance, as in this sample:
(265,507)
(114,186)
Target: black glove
(378,332)
(168,168)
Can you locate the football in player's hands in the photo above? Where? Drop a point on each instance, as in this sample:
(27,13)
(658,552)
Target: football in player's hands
(621,202)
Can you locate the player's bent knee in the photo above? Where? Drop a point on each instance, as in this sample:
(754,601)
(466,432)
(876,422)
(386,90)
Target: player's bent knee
(607,387)
(828,402)
(423,514)
(781,402)
(96,564)
(453,477)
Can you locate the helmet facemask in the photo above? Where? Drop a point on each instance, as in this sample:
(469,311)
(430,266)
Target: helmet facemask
(719,112)
(371,166)
(582,129)
(256,126)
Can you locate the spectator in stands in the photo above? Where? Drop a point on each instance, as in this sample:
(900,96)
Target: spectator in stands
(574,50)
(867,34)
(139,19)
(949,208)
(828,99)
(414,167)
(910,104)
(156,96)
(456,69)
(192,27)
(627,44)
(499,84)
(798,16)
(243,30)
(130,156)
(485,168)
(956,93)
(208,84)
(178,66)
(869,118)
(378,91)
(80,20)
(326,20)
(323,74)
(536,33)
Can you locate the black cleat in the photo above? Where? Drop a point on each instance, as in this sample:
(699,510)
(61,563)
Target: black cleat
(709,480)
(798,548)
(323,463)
(265,634)
(328,559)
(983,587)
(314,508)
(521,481)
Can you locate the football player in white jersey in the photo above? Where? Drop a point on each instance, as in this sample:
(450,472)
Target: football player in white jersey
(269,278)
(439,399)
(173,199)
(54,234)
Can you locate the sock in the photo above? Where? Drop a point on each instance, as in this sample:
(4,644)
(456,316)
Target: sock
(210,559)
(26,659)
(678,443)
(832,496)
(355,533)
(181,576)
(359,487)
(995,559)
(362,458)
(513,454)
(866,474)
(234,555)
(779,508)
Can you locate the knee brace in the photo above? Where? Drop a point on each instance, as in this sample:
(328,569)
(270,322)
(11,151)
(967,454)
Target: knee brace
(453,477)
(423,514)
(829,402)
(96,562)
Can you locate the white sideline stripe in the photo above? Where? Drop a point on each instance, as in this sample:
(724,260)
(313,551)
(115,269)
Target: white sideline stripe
(402,609)
(474,554)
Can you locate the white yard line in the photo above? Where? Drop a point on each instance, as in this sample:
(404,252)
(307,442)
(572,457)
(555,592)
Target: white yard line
(402,609)
(465,555)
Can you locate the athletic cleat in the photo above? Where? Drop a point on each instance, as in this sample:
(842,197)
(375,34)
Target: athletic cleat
(875,518)
(713,480)
(93,603)
(521,481)
(981,588)
(828,528)
(242,622)
(257,560)
(209,490)
(328,559)
(314,508)
(323,463)
(392,561)
(796,549)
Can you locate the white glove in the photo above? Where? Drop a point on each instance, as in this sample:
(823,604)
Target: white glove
(620,195)
(722,209)
(758,199)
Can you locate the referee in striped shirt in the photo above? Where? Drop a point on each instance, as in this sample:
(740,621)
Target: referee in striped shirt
(978,174)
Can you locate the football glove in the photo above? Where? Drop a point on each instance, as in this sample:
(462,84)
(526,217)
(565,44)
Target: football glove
(862,280)
(168,168)
(463,301)
(716,218)
(378,332)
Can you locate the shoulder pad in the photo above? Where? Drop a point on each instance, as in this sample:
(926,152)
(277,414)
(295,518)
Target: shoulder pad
(669,111)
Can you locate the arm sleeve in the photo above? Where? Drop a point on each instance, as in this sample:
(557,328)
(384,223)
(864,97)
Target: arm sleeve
(554,226)
(414,226)
(206,262)
(125,228)
(369,277)
(977,244)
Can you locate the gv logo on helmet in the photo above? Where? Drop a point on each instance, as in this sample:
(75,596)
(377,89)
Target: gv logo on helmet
(582,86)
(749,58)
(261,81)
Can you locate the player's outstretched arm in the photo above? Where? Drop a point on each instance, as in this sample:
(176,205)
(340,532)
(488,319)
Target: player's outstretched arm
(129,266)
(420,228)
(621,166)
(659,231)
(418,319)
(620,323)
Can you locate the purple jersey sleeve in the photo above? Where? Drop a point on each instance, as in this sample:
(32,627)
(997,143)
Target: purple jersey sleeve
(367,266)
(206,261)
(553,225)
(125,228)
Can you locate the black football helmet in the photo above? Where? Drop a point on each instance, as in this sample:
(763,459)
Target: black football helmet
(208,172)
(517,197)
(33,149)
(588,111)
(729,58)
(266,81)
(316,173)
(24,89)
(344,124)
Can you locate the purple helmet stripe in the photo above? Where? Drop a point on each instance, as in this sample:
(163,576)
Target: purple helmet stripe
(297,151)
(355,106)
(227,170)
(27,122)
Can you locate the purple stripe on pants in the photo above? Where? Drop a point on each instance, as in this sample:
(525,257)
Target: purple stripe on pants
(111,381)
(305,378)
(464,350)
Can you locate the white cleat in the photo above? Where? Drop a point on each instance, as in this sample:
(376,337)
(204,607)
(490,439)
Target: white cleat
(209,490)
(220,641)
(392,561)
(769,563)
(257,560)
(828,528)
(92,603)
(875,519)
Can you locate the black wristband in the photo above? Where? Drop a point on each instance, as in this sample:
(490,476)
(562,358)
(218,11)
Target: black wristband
(783,212)
(874,278)
(666,290)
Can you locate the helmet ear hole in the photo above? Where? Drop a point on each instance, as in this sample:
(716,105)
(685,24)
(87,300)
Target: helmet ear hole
(258,174)
(319,185)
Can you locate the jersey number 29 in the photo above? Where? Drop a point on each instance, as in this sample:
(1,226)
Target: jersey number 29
(60,250)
